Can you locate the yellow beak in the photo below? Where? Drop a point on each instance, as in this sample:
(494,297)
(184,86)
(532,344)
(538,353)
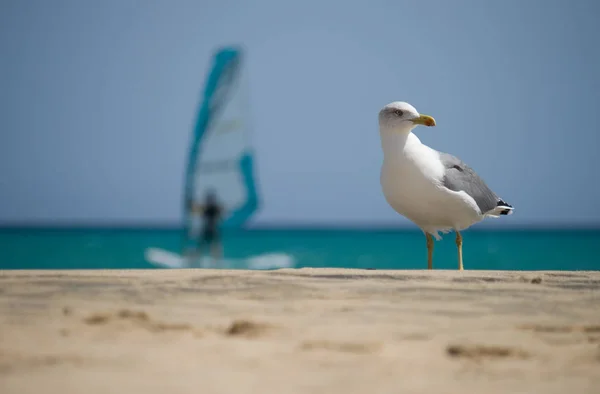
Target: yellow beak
(424,120)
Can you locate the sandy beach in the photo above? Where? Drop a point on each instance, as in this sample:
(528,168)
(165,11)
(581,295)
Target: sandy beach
(299,331)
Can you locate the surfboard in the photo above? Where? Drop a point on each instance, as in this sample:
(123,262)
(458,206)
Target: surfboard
(167,259)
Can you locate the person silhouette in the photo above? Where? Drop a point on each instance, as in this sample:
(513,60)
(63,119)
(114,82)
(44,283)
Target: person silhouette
(211,215)
(211,212)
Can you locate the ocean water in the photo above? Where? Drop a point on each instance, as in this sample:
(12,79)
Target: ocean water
(482,249)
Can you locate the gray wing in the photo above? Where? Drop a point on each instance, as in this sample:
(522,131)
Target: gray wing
(459,176)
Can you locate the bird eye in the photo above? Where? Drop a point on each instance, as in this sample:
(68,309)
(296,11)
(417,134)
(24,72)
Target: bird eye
(399,112)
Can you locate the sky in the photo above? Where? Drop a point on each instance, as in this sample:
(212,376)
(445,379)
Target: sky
(97,102)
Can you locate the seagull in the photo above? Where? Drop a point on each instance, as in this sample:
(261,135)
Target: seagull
(434,190)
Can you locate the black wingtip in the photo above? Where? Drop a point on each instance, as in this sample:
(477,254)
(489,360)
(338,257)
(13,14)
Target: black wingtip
(504,204)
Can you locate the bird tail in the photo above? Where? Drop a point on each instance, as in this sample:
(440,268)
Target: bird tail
(502,208)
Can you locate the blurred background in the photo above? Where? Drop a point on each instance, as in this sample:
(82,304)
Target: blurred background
(99,101)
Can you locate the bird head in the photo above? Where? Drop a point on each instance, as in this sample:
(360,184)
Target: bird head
(402,116)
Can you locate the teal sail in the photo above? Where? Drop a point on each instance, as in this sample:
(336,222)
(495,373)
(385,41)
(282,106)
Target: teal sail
(221,157)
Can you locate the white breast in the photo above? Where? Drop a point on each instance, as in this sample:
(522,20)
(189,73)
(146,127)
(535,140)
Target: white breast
(411,181)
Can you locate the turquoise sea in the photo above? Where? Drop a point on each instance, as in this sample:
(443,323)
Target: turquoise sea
(378,249)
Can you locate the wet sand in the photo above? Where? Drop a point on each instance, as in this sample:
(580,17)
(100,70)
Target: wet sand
(299,331)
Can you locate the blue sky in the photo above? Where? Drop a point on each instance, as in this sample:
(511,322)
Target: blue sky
(97,101)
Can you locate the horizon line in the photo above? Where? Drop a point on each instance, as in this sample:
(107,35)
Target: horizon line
(50,225)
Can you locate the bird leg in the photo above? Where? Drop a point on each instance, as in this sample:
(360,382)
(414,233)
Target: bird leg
(459,246)
(429,250)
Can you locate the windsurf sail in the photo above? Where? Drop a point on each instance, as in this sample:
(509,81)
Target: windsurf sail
(221,157)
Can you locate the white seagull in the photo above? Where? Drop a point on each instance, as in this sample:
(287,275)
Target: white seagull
(435,190)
